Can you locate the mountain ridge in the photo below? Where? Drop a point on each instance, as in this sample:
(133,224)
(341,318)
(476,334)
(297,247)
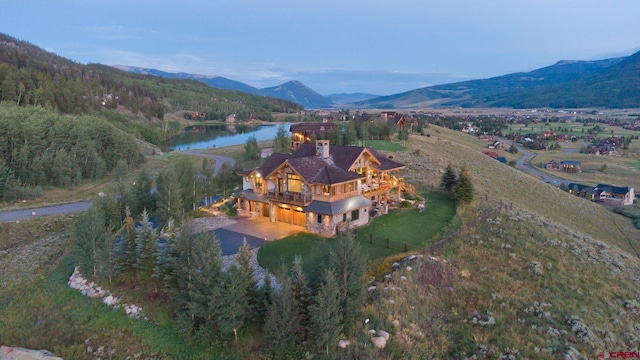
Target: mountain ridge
(293,90)
(543,87)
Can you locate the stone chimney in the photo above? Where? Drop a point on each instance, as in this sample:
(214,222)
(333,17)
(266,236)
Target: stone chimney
(322,148)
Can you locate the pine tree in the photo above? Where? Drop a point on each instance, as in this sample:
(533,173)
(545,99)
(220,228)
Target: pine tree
(449,180)
(349,267)
(326,317)
(301,297)
(280,323)
(195,280)
(234,300)
(144,199)
(464,188)
(146,249)
(126,249)
(243,260)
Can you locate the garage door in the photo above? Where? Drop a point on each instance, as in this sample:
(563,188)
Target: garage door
(299,218)
(283,215)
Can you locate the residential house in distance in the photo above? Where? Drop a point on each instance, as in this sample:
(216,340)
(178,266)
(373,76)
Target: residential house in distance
(310,131)
(322,188)
(625,194)
(565,165)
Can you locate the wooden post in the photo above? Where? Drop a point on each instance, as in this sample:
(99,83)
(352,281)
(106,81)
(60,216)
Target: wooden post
(387,243)
(371,238)
(405,247)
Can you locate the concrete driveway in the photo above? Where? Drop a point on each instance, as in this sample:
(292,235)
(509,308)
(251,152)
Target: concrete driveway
(257,232)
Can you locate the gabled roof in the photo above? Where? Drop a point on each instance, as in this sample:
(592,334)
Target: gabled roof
(319,130)
(622,190)
(272,163)
(314,169)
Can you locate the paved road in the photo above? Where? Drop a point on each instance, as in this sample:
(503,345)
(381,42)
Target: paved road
(16,215)
(218,159)
(524,163)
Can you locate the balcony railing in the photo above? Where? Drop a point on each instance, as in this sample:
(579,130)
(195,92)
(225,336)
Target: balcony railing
(375,188)
(290,197)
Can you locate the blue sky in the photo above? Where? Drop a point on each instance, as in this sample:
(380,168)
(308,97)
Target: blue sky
(374,46)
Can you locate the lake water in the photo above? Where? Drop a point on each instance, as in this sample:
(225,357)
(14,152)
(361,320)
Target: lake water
(210,136)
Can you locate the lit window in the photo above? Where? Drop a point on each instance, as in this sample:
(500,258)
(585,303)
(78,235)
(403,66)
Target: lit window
(258,183)
(294,183)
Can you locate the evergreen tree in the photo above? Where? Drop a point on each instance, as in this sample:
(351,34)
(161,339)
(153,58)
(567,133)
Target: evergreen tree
(326,315)
(126,249)
(280,323)
(349,268)
(234,302)
(196,276)
(281,142)
(144,199)
(90,235)
(449,180)
(464,187)
(146,248)
(301,297)
(243,260)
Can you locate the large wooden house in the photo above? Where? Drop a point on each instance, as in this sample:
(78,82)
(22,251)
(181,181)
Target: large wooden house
(321,187)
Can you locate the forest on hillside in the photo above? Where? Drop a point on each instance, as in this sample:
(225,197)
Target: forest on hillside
(30,76)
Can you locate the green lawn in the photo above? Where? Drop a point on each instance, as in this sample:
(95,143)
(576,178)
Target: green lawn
(384,145)
(400,226)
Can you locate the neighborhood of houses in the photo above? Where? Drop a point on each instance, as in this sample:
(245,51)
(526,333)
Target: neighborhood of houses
(321,187)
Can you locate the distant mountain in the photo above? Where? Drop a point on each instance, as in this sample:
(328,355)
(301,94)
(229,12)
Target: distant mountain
(299,93)
(213,81)
(343,99)
(551,86)
(294,91)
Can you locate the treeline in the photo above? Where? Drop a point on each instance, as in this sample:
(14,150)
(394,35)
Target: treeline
(41,148)
(211,304)
(30,76)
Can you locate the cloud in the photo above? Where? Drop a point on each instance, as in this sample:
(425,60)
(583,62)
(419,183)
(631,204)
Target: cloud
(266,74)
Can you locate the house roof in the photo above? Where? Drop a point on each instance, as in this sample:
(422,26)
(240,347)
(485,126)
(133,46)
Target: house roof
(622,190)
(334,170)
(337,207)
(315,170)
(581,187)
(319,130)
(570,163)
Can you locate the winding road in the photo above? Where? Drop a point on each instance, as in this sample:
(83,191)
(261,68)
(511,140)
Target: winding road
(24,214)
(524,163)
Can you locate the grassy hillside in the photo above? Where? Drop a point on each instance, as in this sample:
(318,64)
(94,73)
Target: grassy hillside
(426,156)
(554,276)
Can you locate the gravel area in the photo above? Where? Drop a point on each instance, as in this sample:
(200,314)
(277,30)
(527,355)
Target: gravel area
(259,272)
(210,223)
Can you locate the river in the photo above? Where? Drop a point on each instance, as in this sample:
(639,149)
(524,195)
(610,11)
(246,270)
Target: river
(210,136)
